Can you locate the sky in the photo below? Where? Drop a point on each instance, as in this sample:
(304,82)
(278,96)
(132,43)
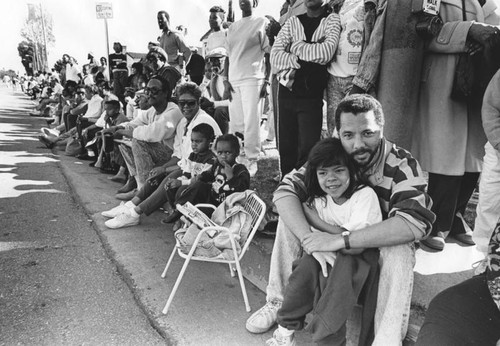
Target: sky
(78,31)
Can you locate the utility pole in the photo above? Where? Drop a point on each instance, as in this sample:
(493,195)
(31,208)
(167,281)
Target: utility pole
(45,56)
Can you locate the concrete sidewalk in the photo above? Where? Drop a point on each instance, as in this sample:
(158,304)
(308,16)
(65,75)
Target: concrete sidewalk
(208,308)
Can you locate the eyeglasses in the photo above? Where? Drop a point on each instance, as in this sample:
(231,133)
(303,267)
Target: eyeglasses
(152,91)
(189,103)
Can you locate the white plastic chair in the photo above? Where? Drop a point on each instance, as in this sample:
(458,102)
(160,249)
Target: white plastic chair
(257,209)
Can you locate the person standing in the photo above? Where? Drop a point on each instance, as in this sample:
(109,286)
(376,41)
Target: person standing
(488,206)
(247,70)
(173,43)
(300,54)
(119,70)
(217,37)
(448,135)
(195,68)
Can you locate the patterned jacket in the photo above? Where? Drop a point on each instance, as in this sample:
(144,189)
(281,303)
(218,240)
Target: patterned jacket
(397,179)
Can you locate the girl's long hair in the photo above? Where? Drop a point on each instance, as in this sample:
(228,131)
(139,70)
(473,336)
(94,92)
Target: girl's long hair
(326,153)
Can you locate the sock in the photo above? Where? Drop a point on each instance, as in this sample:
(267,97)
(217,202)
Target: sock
(285,332)
(130,205)
(134,213)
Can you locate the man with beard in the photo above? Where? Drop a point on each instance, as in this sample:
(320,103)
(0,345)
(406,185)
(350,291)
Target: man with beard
(398,181)
(173,43)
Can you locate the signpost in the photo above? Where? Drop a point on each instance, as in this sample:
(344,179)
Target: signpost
(104,10)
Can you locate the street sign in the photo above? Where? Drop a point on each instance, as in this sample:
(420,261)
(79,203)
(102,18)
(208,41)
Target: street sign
(104,10)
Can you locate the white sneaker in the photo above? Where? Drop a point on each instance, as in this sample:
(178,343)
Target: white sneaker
(279,339)
(252,167)
(263,319)
(123,220)
(120,209)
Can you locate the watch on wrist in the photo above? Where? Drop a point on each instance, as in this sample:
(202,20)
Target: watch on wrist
(346,235)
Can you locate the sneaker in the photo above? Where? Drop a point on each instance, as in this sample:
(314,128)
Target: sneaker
(123,220)
(122,208)
(263,319)
(279,339)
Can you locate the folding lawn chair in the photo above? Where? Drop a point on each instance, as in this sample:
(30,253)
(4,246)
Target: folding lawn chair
(256,208)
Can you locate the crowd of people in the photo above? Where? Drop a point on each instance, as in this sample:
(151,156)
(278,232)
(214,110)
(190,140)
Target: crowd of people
(402,89)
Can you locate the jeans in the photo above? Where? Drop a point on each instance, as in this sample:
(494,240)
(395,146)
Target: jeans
(337,89)
(245,111)
(488,207)
(394,290)
(143,157)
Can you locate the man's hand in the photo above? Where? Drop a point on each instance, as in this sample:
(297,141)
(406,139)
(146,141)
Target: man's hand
(486,35)
(228,91)
(321,241)
(156,171)
(325,258)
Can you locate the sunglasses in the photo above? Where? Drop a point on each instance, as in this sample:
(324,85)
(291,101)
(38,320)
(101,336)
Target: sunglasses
(189,103)
(152,91)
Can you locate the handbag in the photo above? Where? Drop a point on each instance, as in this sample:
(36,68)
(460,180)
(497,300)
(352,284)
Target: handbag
(474,72)
(73,147)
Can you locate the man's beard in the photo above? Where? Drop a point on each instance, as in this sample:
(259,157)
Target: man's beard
(360,152)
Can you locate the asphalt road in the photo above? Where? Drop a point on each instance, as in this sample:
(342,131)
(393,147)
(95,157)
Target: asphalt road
(57,284)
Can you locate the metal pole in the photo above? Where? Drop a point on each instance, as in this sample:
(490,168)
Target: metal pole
(107,47)
(45,56)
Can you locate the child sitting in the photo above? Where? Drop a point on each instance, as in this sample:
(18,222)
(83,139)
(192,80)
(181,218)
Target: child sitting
(224,178)
(151,197)
(336,203)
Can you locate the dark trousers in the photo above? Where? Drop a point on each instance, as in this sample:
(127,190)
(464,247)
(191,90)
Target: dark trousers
(353,279)
(69,121)
(199,192)
(153,194)
(299,128)
(221,117)
(464,314)
(450,195)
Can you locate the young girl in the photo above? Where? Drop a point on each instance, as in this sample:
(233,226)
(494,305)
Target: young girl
(336,202)
(224,178)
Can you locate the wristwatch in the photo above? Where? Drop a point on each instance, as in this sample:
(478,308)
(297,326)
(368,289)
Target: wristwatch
(346,235)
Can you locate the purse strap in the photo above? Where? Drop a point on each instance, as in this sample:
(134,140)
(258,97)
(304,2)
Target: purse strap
(464,17)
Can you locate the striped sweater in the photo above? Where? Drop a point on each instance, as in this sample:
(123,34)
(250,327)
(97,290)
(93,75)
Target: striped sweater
(290,45)
(397,180)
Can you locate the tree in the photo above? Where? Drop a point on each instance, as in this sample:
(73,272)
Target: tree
(26,51)
(37,31)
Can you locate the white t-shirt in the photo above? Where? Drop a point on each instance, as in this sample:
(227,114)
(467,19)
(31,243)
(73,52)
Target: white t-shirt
(359,211)
(215,40)
(348,54)
(72,72)
(246,44)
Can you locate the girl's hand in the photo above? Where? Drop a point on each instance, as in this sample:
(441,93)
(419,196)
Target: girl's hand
(228,170)
(325,258)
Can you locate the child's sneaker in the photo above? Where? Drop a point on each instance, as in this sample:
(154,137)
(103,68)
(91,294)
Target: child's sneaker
(123,220)
(279,339)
